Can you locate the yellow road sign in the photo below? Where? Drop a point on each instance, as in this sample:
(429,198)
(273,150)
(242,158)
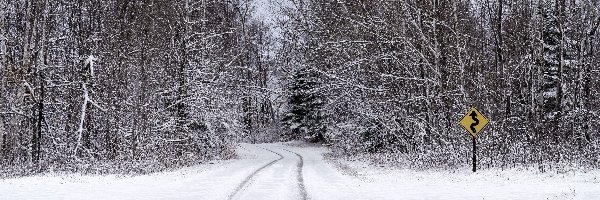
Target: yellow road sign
(473,121)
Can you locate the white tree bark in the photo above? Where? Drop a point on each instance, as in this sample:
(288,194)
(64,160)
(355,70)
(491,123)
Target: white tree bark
(79,132)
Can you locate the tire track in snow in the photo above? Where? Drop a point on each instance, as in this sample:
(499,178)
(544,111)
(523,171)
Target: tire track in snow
(303,193)
(244,183)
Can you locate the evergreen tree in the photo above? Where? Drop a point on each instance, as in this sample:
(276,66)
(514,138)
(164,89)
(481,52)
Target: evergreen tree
(304,117)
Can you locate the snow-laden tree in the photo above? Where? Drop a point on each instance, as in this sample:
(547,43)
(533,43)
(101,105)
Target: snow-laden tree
(552,59)
(304,117)
(398,75)
(139,86)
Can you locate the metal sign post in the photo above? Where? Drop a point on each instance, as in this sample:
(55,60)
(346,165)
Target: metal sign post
(474,155)
(474,122)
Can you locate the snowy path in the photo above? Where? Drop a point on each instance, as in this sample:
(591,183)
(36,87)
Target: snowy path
(276,180)
(282,172)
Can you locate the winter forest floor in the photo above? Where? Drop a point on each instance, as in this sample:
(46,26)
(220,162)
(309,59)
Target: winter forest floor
(284,171)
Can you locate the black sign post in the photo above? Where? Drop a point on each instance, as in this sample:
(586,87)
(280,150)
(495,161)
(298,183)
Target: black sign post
(474,122)
(474,155)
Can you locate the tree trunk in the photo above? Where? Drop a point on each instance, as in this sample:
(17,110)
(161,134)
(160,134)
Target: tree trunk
(552,64)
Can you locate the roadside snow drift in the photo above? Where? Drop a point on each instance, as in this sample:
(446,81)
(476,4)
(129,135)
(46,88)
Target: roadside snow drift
(279,171)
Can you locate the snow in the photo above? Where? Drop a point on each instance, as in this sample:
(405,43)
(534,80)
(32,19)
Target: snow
(2,131)
(550,93)
(270,12)
(214,181)
(370,182)
(276,176)
(90,62)
(82,114)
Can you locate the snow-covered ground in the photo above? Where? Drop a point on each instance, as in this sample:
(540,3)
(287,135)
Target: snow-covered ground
(279,171)
(370,182)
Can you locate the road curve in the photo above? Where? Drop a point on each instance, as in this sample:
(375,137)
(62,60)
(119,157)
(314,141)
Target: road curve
(245,182)
(269,172)
(278,180)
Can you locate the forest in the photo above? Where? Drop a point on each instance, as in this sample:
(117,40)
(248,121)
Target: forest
(140,86)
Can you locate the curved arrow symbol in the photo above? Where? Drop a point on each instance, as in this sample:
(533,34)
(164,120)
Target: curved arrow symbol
(474,117)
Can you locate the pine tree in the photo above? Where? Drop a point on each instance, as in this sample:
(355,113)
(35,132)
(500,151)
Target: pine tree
(304,117)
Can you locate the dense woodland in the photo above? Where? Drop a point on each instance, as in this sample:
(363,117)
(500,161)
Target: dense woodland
(137,86)
(395,77)
(127,85)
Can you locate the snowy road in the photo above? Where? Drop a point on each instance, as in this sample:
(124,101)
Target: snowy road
(275,180)
(282,172)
